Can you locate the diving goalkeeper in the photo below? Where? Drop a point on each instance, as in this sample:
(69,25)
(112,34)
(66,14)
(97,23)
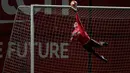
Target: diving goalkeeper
(81,35)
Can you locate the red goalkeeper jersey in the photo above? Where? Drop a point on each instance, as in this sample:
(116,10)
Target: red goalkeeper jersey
(79,32)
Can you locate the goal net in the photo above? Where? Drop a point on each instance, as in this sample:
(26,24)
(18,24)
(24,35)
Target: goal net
(51,51)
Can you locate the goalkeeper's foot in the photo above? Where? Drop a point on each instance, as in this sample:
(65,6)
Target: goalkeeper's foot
(103,43)
(104,59)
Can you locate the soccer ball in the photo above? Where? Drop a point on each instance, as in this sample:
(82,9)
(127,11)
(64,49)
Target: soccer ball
(73,4)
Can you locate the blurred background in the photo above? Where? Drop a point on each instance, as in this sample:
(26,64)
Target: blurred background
(9,7)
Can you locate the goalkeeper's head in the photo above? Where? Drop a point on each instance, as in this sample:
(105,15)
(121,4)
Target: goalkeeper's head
(75,25)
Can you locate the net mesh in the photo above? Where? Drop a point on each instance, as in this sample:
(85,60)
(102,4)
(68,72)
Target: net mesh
(111,25)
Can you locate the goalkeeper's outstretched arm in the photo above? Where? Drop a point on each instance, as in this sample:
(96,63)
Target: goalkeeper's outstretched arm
(78,20)
(74,7)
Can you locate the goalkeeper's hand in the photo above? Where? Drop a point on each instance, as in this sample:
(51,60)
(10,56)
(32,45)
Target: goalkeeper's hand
(73,5)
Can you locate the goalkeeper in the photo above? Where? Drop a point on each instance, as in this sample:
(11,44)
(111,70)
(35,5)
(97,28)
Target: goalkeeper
(81,35)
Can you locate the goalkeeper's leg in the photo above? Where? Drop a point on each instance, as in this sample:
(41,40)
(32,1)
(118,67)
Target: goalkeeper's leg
(99,56)
(96,44)
(91,50)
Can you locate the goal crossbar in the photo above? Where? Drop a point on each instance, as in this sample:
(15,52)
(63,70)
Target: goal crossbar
(67,6)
